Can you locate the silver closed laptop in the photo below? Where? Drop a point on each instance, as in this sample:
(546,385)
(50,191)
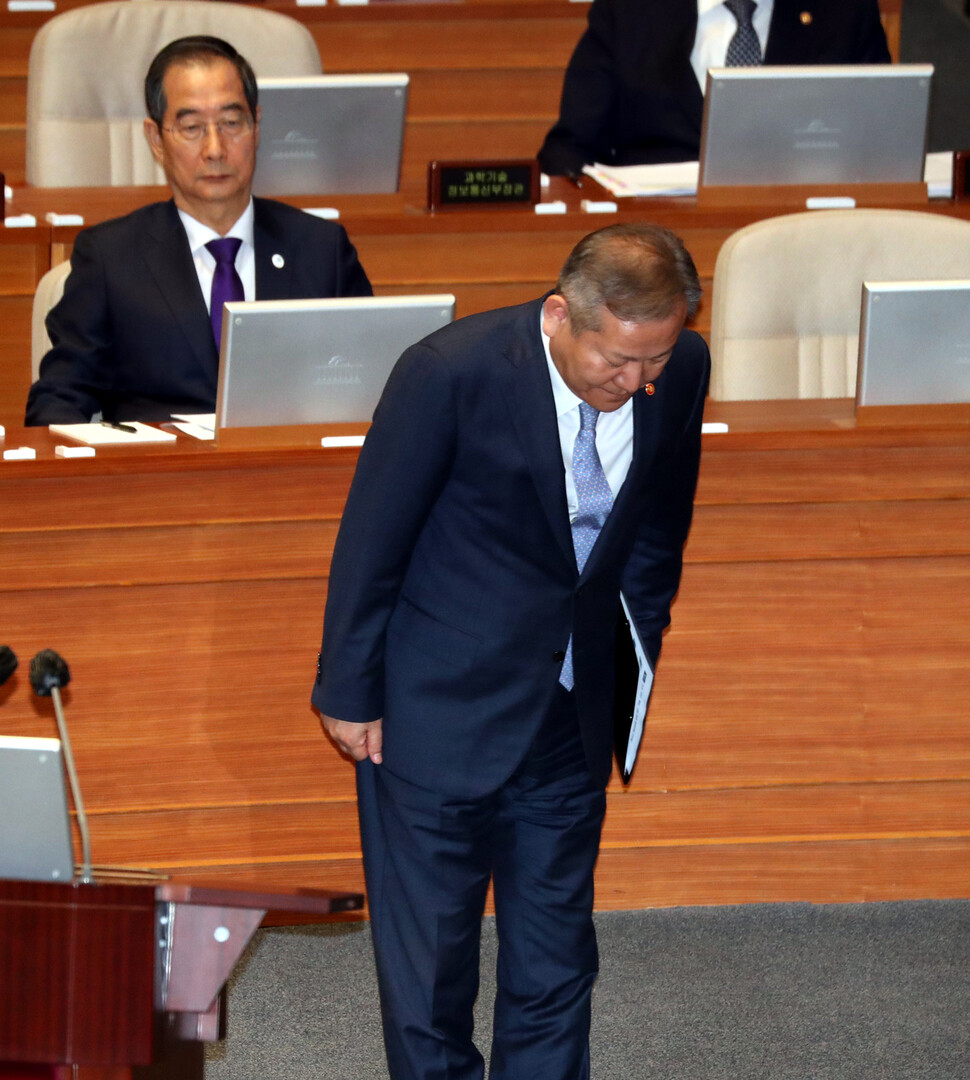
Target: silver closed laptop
(35,825)
(822,124)
(914,343)
(331,134)
(316,361)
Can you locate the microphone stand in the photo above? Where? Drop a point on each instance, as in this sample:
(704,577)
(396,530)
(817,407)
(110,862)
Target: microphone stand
(82,818)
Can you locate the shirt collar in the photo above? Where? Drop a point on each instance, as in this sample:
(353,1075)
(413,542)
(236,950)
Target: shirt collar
(563,397)
(199,235)
(705,7)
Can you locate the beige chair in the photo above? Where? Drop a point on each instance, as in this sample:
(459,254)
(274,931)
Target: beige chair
(788,290)
(85,99)
(49,290)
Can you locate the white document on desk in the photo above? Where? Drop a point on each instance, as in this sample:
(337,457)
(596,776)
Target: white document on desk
(669,178)
(131,432)
(642,698)
(198,425)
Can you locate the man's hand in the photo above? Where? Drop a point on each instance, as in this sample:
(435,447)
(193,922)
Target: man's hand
(358,741)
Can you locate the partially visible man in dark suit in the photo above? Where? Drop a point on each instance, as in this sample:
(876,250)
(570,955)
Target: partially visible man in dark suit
(134,337)
(633,90)
(524,465)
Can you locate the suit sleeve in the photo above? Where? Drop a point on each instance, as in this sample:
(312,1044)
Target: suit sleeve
(76,371)
(402,468)
(652,575)
(580,135)
(870,46)
(351,278)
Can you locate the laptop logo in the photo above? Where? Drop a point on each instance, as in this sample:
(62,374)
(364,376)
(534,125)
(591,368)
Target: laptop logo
(339,371)
(817,135)
(295,146)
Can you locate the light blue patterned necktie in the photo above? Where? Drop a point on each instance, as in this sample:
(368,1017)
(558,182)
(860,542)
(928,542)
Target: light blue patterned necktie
(744,49)
(594,502)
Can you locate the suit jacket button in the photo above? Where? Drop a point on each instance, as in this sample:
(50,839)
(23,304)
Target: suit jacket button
(559,655)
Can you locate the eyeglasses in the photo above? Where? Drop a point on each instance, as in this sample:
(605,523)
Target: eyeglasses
(229,128)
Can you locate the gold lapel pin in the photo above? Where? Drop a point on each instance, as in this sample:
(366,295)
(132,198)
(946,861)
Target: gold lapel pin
(650,388)
(805,18)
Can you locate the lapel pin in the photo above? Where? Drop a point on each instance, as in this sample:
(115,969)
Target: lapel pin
(805,18)
(650,388)
(278,261)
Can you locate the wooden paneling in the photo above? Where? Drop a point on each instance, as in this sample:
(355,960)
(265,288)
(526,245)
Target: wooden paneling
(14,358)
(24,257)
(13,150)
(808,738)
(469,138)
(817,872)
(13,102)
(510,39)
(825,872)
(494,95)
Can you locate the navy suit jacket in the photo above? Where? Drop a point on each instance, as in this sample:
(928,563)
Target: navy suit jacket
(630,95)
(131,336)
(454,588)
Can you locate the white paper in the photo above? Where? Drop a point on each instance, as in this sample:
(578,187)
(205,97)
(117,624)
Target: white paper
(195,431)
(199,426)
(106,435)
(938,174)
(642,700)
(670,178)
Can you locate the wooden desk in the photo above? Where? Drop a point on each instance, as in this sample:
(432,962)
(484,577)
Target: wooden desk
(487,258)
(808,739)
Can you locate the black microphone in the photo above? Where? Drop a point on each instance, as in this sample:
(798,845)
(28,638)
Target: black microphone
(8,663)
(48,673)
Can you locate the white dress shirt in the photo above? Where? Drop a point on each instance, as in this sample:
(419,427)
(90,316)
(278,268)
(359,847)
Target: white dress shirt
(205,265)
(715,28)
(614,434)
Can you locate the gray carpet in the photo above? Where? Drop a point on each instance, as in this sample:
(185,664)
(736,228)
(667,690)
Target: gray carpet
(779,991)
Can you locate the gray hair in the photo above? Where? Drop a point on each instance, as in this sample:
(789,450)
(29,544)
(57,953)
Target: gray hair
(638,272)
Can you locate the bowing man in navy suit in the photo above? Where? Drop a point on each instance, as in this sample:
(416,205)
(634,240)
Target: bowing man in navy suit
(633,93)
(467,662)
(135,335)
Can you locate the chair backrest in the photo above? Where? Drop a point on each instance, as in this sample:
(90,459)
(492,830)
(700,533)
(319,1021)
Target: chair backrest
(49,290)
(788,291)
(85,80)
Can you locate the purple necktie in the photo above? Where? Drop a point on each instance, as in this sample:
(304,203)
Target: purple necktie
(226,284)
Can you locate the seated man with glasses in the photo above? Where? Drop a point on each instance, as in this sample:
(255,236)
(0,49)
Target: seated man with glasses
(136,334)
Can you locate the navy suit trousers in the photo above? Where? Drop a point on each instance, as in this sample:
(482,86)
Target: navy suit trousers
(428,859)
